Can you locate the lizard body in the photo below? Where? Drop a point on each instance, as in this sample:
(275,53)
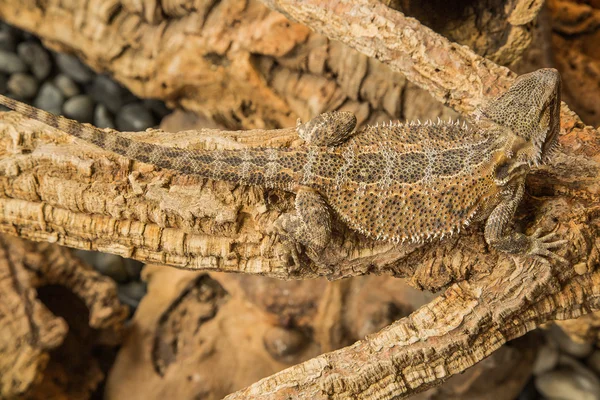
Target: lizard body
(396,182)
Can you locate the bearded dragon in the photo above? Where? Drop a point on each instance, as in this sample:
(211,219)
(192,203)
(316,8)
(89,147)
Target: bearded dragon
(404,182)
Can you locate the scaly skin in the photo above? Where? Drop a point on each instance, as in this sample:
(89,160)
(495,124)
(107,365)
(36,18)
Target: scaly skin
(397,182)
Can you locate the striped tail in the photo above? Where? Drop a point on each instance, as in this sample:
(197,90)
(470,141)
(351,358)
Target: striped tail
(258,166)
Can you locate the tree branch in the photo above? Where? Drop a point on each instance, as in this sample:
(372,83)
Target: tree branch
(467,323)
(143,214)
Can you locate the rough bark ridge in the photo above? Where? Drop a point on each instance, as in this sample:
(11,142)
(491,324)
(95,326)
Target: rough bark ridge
(156,216)
(248,67)
(29,330)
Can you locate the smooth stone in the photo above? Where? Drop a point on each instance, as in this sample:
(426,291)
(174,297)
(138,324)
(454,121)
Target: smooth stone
(10,63)
(131,293)
(15,32)
(579,368)
(158,107)
(593,361)
(8,41)
(134,117)
(103,118)
(74,68)
(66,85)
(133,268)
(108,92)
(80,108)
(281,343)
(87,256)
(23,85)
(565,384)
(3,83)
(529,392)
(110,265)
(36,57)
(49,98)
(546,359)
(568,345)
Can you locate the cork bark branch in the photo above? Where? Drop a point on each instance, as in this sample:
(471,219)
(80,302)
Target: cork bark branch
(30,331)
(56,191)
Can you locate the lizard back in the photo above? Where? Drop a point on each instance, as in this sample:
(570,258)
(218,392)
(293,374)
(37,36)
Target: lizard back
(411,182)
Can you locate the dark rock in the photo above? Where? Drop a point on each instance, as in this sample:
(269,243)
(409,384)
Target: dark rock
(529,392)
(3,83)
(566,384)
(108,92)
(110,265)
(10,63)
(74,68)
(66,85)
(134,117)
(8,41)
(546,359)
(103,118)
(80,108)
(36,57)
(49,98)
(23,85)
(568,345)
(133,268)
(157,107)
(131,293)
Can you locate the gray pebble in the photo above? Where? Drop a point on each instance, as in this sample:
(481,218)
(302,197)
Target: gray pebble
(8,41)
(134,117)
(23,85)
(80,108)
(568,345)
(74,68)
(110,265)
(131,293)
(10,63)
(15,32)
(593,361)
(133,268)
(86,256)
(546,359)
(3,83)
(103,118)
(49,98)
(108,92)
(529,392)
(566,384)
(36,57)
(66,85)
(158,107)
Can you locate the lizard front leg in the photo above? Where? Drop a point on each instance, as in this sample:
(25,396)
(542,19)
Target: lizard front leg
(498,235)
(309,226)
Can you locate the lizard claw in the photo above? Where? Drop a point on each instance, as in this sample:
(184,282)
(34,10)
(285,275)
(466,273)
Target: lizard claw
(541,246)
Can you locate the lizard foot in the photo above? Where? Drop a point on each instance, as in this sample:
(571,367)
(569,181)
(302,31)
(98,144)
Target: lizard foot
(294,233)
(309,226)
(540,247)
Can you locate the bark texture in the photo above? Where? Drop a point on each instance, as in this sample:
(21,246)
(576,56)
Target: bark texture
(54,190)
(31,275)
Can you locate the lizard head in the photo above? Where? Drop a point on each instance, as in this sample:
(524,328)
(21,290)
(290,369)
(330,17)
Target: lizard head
(530,109)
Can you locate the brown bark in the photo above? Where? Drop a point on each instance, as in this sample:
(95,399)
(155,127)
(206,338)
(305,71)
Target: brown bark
(247,67)
(30,330)
(156,216)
